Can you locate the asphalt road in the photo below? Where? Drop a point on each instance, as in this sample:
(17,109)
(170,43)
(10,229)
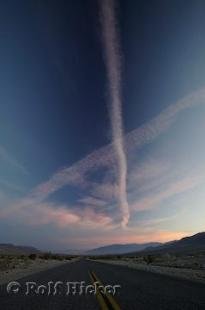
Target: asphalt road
(139,290)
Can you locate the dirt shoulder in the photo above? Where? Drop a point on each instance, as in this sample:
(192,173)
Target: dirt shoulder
(28,268)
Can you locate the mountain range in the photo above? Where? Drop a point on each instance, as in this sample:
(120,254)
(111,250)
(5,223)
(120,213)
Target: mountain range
(195,242)
(121,248)
(187,244)
(8,248)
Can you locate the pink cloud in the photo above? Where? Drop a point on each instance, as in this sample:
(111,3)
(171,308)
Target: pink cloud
(45,213)
(62,216)
(93,201)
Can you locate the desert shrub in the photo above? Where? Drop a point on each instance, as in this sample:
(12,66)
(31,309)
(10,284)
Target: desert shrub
(4,264)
(46,256)
(7,262)
(149,259)
(23,256)
(32,256)
(197,265)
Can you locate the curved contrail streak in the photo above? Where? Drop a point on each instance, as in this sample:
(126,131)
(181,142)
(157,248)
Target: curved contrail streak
(111,44)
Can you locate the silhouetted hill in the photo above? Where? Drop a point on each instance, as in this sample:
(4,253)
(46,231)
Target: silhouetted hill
(193,242)
(188,244)
(7,248)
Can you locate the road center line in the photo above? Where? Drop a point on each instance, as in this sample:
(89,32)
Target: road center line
(106,301)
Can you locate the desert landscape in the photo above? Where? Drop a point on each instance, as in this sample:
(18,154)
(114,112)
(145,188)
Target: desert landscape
(14,265)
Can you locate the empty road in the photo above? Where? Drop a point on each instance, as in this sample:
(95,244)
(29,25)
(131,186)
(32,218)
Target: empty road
(139,290)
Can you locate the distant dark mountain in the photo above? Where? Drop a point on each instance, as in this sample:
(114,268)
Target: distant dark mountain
(121,248)
(186,245)
(193,242)
(7,248)
(74,252)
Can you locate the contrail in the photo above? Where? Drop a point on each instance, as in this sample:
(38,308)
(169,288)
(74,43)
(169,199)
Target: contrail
(104,156)
(111,43)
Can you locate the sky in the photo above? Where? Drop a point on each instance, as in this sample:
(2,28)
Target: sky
(102,108)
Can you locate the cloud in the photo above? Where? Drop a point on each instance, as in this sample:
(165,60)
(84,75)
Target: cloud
(106,191)
(104,157)
(146,171)
(10,160)
(77,174)
(159,124)
(92,201)
(111,44)
(11,186)
(47,214)
(61,216)
(177,187)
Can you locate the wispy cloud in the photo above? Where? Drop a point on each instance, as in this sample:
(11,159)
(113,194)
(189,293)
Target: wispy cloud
(6,157)
(61,216)
(172,189)
(91,201)
(77,174)
(149,169)
(106,191)
(11,186)
(104,157)
(159,124)
(111,44)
